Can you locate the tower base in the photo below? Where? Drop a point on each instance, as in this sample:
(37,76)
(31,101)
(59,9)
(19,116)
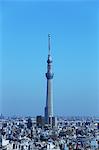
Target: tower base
(52,121)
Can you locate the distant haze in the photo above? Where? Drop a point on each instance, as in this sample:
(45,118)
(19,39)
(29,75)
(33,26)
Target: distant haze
(74,29)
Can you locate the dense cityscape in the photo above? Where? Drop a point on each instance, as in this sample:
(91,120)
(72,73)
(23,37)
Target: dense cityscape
(71,133)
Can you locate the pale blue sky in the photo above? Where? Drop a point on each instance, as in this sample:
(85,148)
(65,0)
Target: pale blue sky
(74,29)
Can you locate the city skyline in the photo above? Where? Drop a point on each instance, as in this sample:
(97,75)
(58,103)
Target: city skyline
(74,36)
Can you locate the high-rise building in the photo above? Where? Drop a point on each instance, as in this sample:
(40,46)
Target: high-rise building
(40,121)
(29,123)
(49,92)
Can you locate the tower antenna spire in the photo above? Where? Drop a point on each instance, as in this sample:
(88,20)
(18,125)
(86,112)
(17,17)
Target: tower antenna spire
(49,50)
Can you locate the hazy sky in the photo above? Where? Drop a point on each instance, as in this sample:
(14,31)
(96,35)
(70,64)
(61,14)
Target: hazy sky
(74,29)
